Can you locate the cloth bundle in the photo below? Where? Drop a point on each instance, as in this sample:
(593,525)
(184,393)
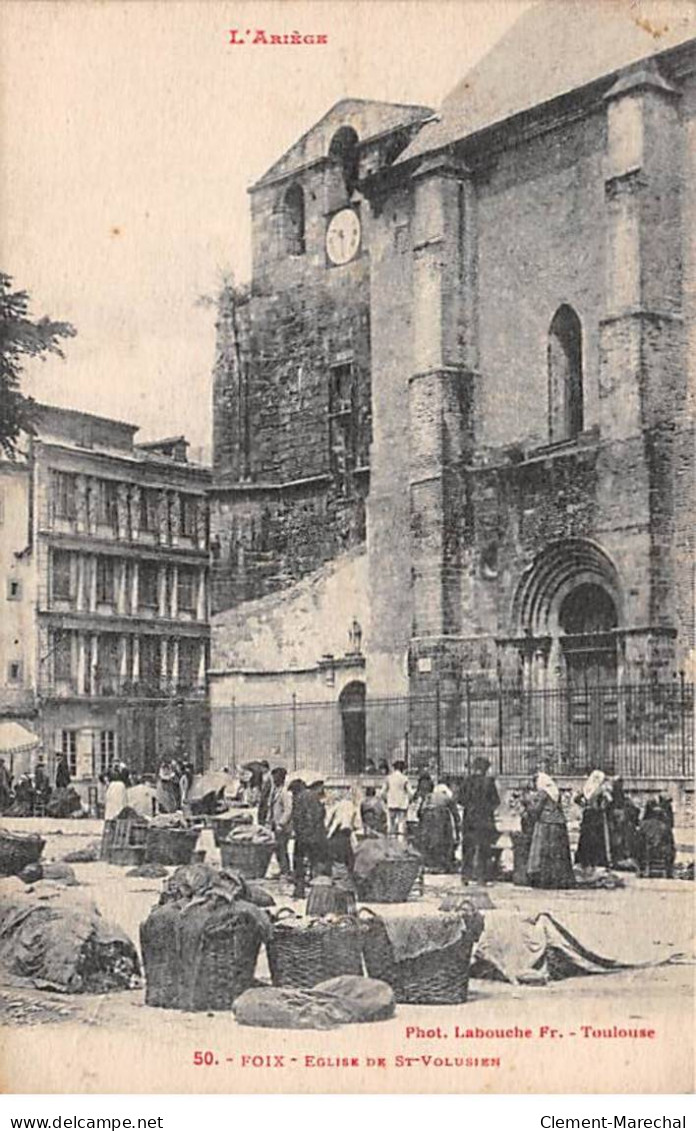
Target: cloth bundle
(533,950)
(17,850)
(254,834)
(191,881)
(169,821)
(375,850)
(339,1001)
(411,936)
(62,944)
(63,803)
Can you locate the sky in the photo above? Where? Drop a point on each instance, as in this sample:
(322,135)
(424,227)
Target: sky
(130,134)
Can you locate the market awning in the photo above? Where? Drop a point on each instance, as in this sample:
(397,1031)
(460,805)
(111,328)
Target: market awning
(16,739)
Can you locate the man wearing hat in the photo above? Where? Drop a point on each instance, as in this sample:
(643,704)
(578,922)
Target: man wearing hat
(308,819)
(479,800)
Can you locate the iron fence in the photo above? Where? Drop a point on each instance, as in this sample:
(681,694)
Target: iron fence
(638,730)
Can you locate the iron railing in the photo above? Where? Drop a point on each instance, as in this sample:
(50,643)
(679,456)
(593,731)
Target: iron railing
(638,730)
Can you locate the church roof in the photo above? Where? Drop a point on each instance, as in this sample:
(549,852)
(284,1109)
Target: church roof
(555,47)
(368,119)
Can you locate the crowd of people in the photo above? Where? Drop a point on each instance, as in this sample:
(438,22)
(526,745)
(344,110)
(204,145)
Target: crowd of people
(32,793)
(453,825)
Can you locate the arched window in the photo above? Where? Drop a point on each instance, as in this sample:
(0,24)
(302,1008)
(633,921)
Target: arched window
(344,150)
(565,375)
(294,220)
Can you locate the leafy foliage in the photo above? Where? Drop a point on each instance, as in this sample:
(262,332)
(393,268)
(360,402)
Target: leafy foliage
(21,338)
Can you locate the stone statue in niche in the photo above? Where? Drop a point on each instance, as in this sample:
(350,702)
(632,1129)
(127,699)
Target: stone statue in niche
(355,636)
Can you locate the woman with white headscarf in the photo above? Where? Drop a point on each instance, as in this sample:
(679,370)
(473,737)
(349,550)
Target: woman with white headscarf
(594,850)
(549,864)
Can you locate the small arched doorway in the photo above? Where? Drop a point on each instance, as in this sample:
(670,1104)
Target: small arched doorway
(351,704)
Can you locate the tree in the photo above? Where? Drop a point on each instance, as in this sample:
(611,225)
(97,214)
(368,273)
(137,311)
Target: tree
(21,338)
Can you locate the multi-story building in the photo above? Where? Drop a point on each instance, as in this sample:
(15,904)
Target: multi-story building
(105,559)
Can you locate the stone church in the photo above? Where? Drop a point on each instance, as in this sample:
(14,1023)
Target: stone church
(453,413)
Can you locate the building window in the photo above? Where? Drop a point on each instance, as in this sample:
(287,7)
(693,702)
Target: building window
(107,750)
(565,375)
(149,509)
(186,597)
(108,503)
(65,495)
(294,220)
(342,432)
(62,657)
(189,654)
(109,670)
(106,582)
(14,589)
(344,150)
(62,576)
(150,662)
(68,748)
(148,586)
(14,671)
(189,516)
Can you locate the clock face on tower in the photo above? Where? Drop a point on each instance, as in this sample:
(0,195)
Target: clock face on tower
(343,236)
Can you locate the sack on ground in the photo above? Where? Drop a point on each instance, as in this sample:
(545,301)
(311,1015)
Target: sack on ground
(63,945)
(339,1001)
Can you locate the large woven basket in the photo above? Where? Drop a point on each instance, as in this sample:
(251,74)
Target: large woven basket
(170,846)
(439,977)
(390,881)
(197,969)
(313,951)
(246,857)
(223,824)
(17,850)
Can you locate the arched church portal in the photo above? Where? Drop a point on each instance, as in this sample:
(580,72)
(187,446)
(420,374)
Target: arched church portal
(567,609)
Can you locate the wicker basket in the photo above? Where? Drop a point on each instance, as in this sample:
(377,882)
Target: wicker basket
(439,977)
(17,850)
(302,955)
(200,961)
(222,826)
(249,859)
(169,845)
(123,842)
(390,881)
